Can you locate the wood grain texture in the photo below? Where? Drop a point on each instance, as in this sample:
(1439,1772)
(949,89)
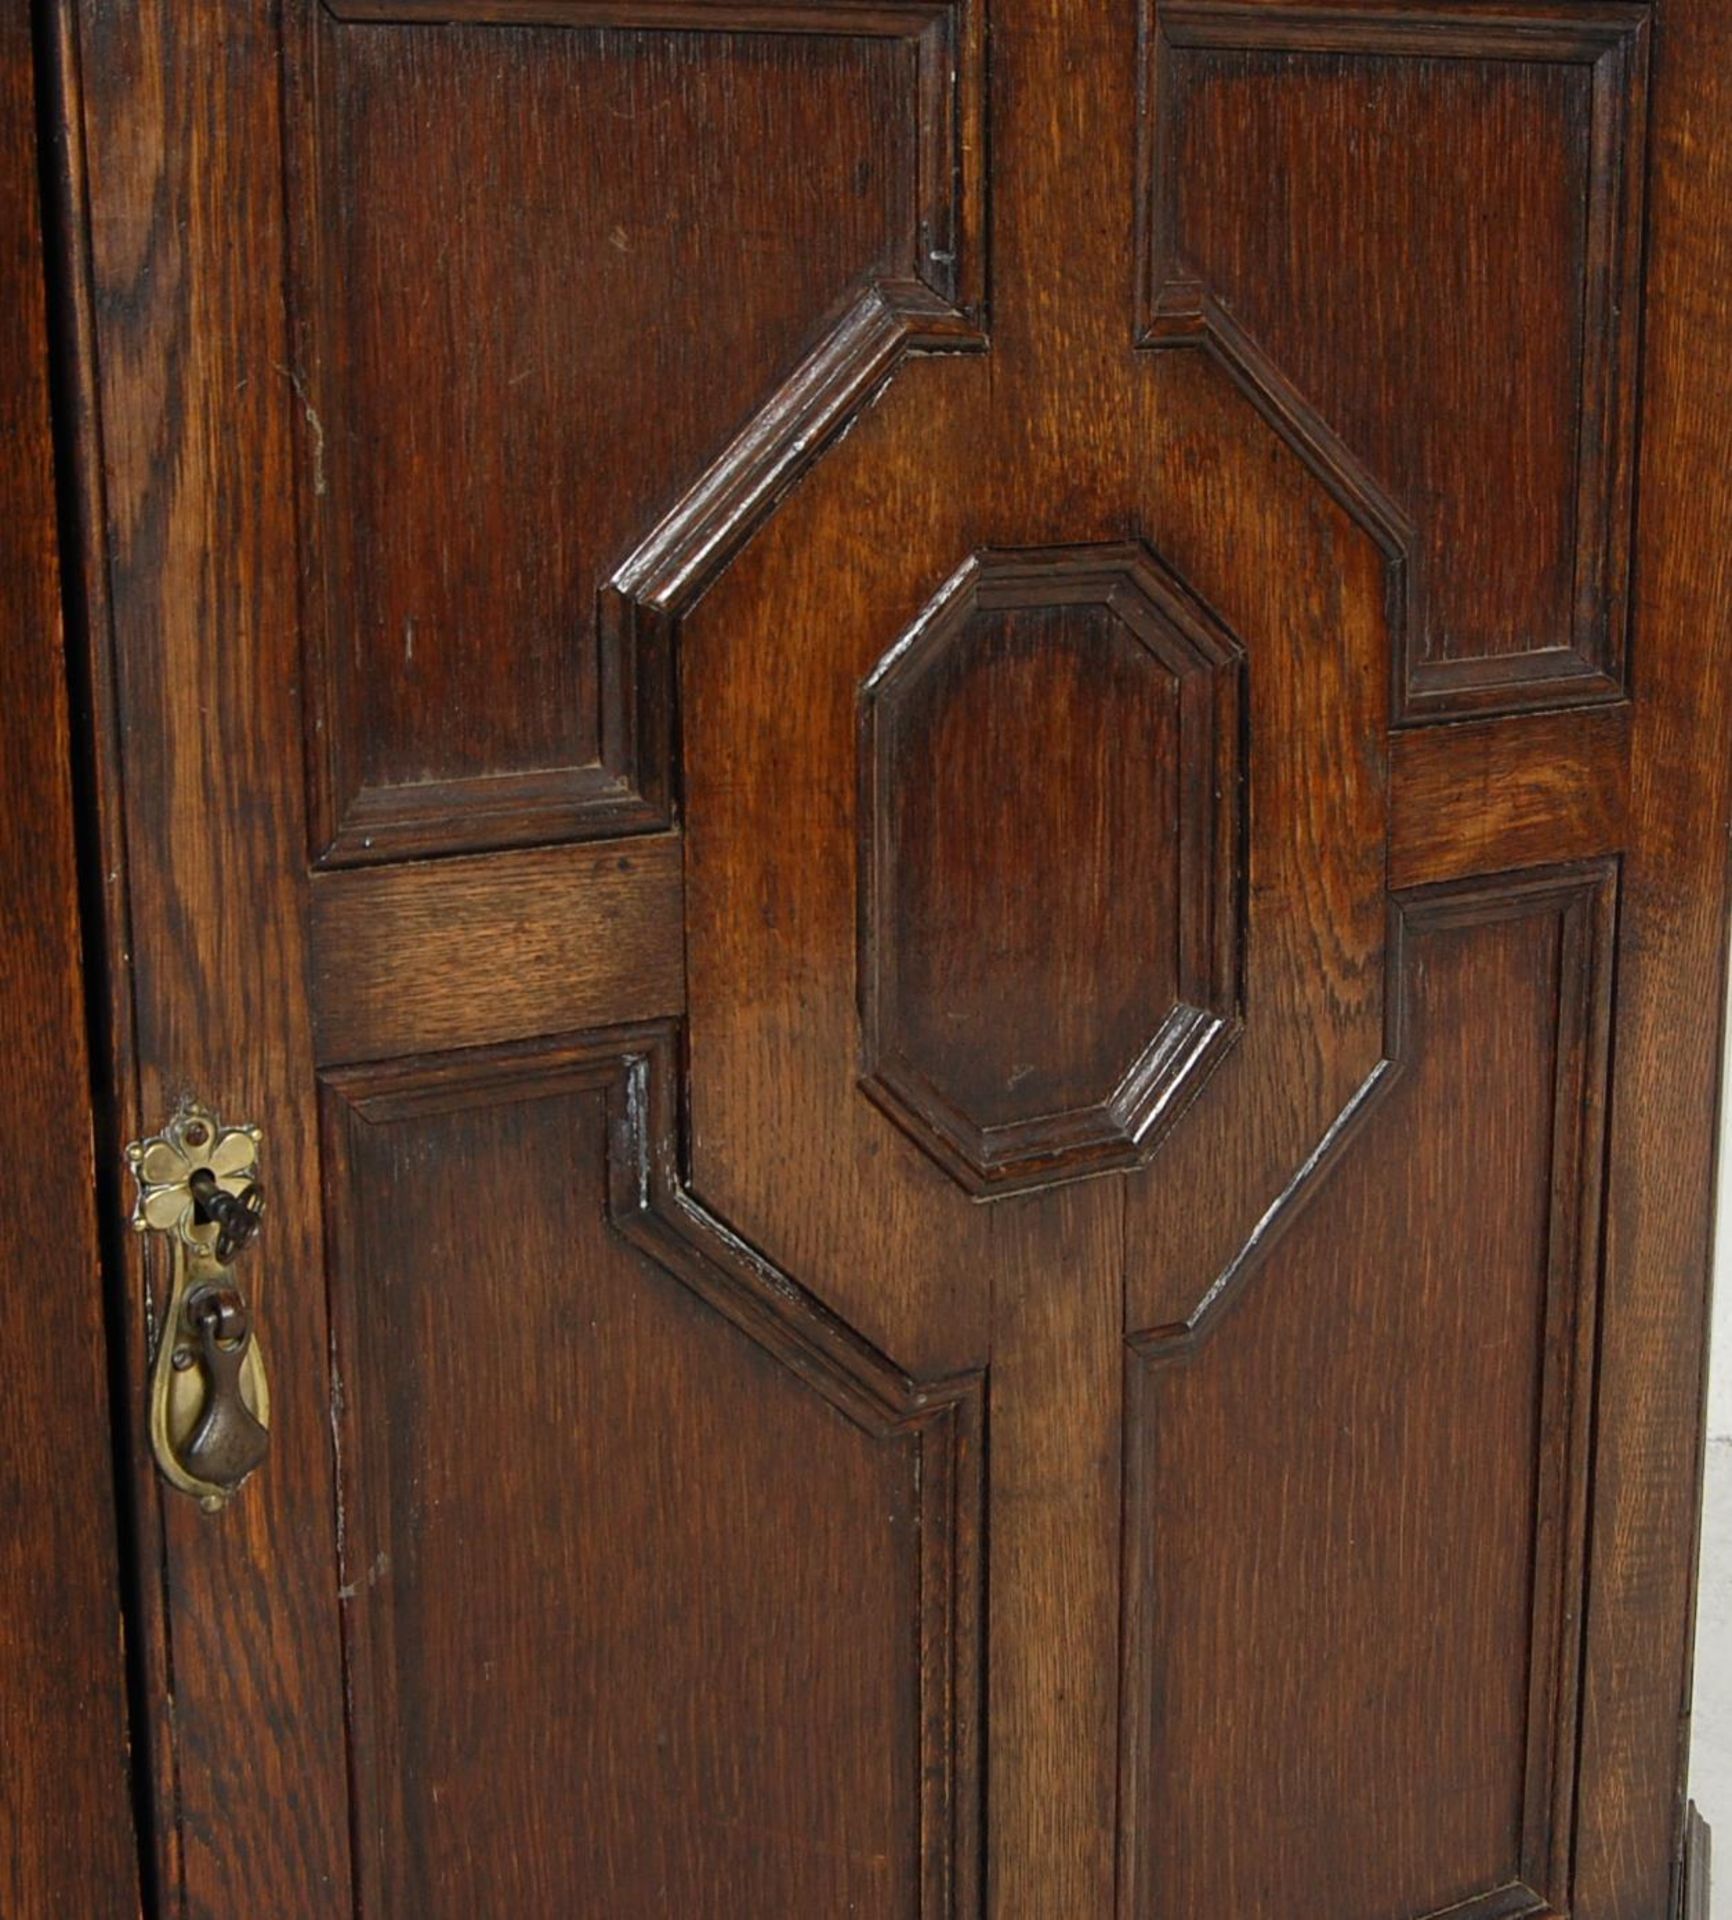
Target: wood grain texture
(1055,1411)
(1049,955)
(653,1205)
(1304,1597)
(464,953)
(1671,996)
(190,569)
(67,1838)
(465,692)
(671,1606)
(1492,794)
(1064,433)
(1260,536)
(1488,387)
(199,553)
(890,18)
(643,1608)
(1057,436)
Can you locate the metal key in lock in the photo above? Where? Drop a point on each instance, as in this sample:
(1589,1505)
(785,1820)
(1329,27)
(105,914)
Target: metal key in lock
(209,1401)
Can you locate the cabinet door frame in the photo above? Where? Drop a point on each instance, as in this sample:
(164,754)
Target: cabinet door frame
(1671,940)
(68,1840)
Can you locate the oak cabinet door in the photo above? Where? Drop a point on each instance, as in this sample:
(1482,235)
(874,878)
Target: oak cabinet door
(961,823)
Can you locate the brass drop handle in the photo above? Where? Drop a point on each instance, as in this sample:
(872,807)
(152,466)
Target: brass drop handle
(228,1441)
(209,1403)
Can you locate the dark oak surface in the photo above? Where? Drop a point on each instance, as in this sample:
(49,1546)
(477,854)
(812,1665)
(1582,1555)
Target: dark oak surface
(693,1588)
(1487,384)
(1410,1548)
(404,237)
(66,1841)
(1672,952)
(966,838)
(407,959)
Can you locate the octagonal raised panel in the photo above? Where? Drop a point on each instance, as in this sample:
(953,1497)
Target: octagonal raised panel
(1050,777)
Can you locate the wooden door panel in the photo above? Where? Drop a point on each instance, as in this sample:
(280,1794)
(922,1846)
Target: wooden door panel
(961,1142)
(614,1573)
(982,908)
(1488,386)
(518,336)
(1308,1599)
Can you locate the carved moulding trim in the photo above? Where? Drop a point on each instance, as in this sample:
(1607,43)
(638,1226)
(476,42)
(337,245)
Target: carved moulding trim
(936,303)
(652,1206)
(1610,38)
(1191,1037)
(1583,896)
(948,38)
(882,19)
(1545,31)
(665,576)
(637,1067)
(1186,315)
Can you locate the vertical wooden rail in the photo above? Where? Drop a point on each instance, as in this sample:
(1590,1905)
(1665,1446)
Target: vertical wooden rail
(1671,998)
(66,1831)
